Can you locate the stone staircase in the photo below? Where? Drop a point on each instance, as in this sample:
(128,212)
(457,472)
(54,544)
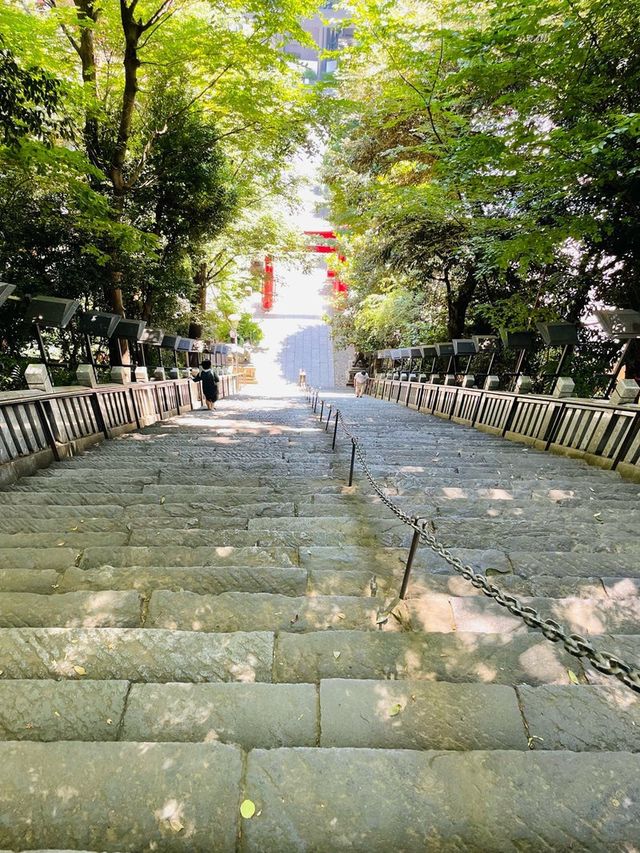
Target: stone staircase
(203,613)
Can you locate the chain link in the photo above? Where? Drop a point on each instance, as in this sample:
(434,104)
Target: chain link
(576,645)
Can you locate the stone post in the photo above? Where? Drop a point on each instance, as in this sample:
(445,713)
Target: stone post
(564,387)
(141,374)
(121,375)
(625,393)
(159,374)
(492,383)
(449,379)
(434,379)
(469,381)
(524,385)
(37,378)
(86,376)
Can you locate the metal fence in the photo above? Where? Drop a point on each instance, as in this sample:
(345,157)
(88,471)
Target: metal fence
(587,428)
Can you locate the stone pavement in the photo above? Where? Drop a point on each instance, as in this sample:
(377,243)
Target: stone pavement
(199,614)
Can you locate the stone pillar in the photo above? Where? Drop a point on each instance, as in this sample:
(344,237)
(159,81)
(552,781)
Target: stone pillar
(141,374)
(564,387)
(434,379)
(469,381)
(120,375)
(159,374)
(86,375)
(524,385)
(625,393)
(492,383)
(37,378)
(174,373)
(449,379)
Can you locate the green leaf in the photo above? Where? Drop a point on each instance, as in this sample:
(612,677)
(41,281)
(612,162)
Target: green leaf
(247,809)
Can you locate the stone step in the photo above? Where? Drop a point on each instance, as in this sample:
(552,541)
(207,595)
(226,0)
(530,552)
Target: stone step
(71,610)
(69,538)
(239,538)
(210,579)
(178,556)
(589,617)
(123,796)
(317,799)
(422,582)
(456,657)
(57,559)
(242,611)
(346,713)
(135,654)
(165,498)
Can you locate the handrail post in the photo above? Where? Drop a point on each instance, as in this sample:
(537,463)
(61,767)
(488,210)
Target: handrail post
(415,541)
(335,432)
(46,429)
(131,399)
(96,405)
(353,460)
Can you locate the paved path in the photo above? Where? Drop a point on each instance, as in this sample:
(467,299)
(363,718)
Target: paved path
(198,614)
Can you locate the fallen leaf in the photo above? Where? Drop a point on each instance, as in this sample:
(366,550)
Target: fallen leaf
(247,809)
(340,616)
(59,543)
(1,671)
(176,824)
(109,721)
(395,710)
(336,655)
(162,499)
(80,670)
(573,678)
(294,620)
(57,713)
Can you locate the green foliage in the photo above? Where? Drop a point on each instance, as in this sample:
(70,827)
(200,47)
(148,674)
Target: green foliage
(484,157)
(135,179)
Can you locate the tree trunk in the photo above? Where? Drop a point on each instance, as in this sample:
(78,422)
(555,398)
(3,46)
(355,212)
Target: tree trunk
(458,303)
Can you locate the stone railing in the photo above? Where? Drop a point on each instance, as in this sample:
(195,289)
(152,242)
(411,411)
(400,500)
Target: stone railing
(602,433)
(37,428)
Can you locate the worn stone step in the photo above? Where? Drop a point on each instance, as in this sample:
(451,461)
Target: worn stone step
(51,486)
(280,534)
(590,617)
(57,559)
(135,654)
(252,715)
(420,715)
(123,796)
(70,610)
(42,581)
(68,538)
(198,579)
(565,564)
(50,710)
(178,556)
(423,582)
(165,497)
(241,611)
(317,799)
(347,582)
(24,517)
(456,657)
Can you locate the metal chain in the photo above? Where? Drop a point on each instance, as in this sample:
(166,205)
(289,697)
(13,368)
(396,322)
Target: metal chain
(578,646)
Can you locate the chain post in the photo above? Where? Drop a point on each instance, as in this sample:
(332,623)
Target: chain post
(335,432)
(326,428)
(321,409)
(353,460)
(415,541)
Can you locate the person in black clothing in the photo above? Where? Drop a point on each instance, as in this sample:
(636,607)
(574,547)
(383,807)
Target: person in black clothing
(209,379)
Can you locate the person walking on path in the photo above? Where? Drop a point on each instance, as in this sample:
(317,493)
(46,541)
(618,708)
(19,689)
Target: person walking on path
(360,382)
(209,379)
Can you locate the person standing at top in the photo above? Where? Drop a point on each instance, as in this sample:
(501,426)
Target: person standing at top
(209,379)
(360,382)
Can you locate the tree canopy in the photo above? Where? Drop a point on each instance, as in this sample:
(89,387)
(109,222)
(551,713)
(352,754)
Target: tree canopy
(484,165)
(136,137)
